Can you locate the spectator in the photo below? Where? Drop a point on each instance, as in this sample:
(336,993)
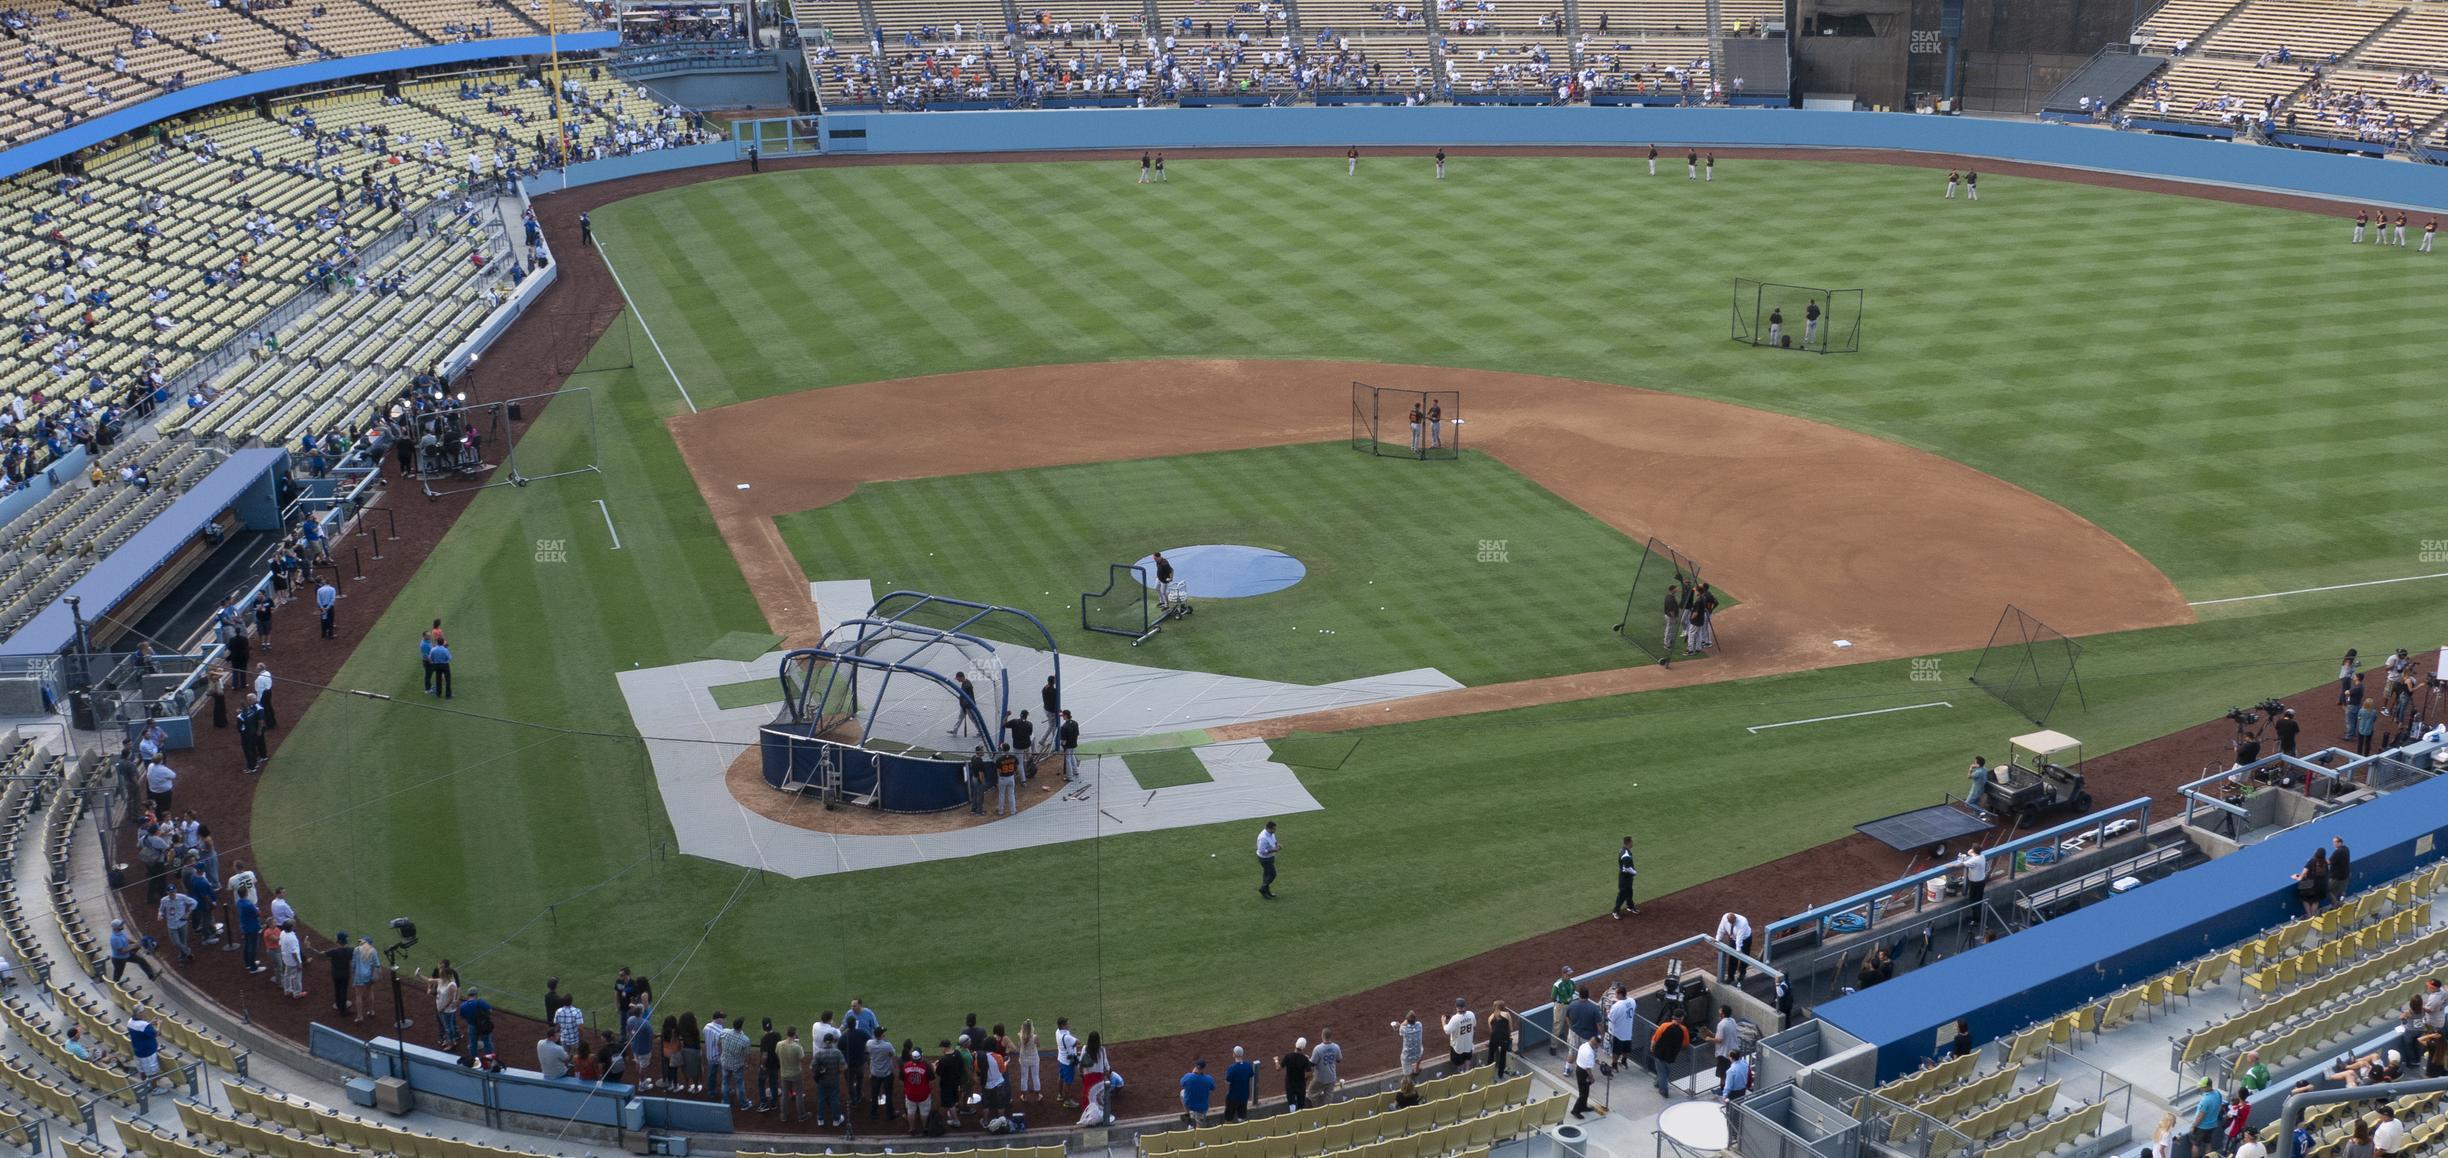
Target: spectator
(362,963)
(1197,1091)
(1240,1079)
(125,950)
(1296,1066)
(292,956)
(552,1059)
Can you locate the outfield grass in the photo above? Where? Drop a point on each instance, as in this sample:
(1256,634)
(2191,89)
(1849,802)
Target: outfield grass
(2234,391)
(1393,548)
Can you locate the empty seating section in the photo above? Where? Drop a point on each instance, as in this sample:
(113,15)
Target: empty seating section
(262,1121)
(1053,1151)
(1459,1112)
(1609,17)
(2417,42)
(1364,19)
(219,33)
(2181,21)
(2205,90)
(2311,31)
(2006,1111)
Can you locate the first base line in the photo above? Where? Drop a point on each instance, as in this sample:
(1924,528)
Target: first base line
(1756,729)
(2316,590)
(607,514)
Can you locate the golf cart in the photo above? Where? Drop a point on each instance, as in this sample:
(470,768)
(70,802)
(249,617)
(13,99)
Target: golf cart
(2033,780)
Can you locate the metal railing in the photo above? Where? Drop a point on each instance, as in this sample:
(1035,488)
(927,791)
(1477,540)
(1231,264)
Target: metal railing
(1864,911)
(2072,1073)
(1890,1124)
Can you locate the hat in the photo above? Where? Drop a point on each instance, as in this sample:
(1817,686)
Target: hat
(2205,1083)
(1460,1003)
(342,935)
(2394,1059)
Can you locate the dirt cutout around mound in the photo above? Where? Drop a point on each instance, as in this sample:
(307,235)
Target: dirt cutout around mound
(1827,534)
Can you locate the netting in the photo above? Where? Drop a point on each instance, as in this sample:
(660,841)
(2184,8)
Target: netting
(2027,665)
(1424,425)
(576,348)
(1124,607)
(904,694)
(1779,315)
(1662,614)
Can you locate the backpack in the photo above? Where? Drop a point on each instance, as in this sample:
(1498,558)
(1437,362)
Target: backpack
(934,1123)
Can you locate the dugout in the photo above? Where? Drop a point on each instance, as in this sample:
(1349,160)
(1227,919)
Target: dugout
(2087,954)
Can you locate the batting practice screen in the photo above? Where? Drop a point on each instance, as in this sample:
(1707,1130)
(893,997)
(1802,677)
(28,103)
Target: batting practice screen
(2027,665)
(1417,424)
(1122,608)
(1656,616)
(1768,313)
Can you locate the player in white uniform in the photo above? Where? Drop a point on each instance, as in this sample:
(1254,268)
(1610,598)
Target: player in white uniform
(1351,161)
(1653,160)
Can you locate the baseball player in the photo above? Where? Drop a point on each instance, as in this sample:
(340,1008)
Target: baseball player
(1711,173)
(1440,164)
(2430,226)
(1954,178)
(1415,428)
(1160,168)
(1436,425)
(1145,174)
(2401,218)
(1653,160)
(1810,322)
(1164,582)
(1971,184)
(1351,161)
(1691,164)
(1776,326)
(1673,612)
(2360,218)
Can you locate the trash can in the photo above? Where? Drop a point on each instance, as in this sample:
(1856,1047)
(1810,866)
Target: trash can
(1569,1139)
(81,710)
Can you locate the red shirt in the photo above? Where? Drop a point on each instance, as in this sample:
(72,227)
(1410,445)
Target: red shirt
(917,1081)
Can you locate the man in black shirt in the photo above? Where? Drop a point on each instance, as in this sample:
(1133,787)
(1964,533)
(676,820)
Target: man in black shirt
(1067,739)
(1624,875)
(1022,731)
(950,1074)
(976,773)
(2287,728)
(1051,697)
(1810,323)
(338,957)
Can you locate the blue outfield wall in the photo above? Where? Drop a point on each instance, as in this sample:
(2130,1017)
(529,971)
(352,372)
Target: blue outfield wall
(133,117)
(2354,178)
(2089,953)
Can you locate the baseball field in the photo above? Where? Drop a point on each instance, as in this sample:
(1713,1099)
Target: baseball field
(2131,412)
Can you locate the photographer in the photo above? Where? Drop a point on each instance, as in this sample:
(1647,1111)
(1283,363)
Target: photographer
(2248,736)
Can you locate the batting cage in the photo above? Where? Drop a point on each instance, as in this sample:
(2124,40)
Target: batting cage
(2027,665)
(1770,313)
(1659,614)
(886,709)
(1416,424)
(512,442)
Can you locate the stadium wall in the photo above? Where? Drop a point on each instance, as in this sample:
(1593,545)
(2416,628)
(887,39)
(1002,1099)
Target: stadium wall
(2087,954)
(2359,179)
(141,115)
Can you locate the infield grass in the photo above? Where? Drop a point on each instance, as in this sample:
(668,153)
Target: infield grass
(1464,566)
(2235,392)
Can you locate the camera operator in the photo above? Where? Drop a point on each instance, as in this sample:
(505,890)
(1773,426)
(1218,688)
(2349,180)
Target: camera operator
(2286,728)
(2247,737)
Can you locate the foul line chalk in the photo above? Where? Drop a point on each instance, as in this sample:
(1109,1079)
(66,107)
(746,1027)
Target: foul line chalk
(1756,729)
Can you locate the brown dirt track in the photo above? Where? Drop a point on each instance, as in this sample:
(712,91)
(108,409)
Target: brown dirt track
(586,300)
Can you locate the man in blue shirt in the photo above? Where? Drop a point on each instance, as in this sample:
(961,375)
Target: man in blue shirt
(1239,1078)
(477,1013)
(440,658)
(326,596)
(123,952)
(2207,1115)
(1737,1078)
(1197,1093)
(250,932)
(144,1044)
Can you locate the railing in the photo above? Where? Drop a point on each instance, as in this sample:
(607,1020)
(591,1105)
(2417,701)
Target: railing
(1879,1114)
(1864,910)
(192,1074)
(1826,971)
(2075,1073)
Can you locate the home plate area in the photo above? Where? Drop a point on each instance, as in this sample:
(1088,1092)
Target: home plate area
(692,739)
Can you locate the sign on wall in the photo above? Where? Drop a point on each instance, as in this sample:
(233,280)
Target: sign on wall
(1927,42)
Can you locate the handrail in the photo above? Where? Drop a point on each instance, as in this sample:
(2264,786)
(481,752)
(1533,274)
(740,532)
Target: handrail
(1819,916)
